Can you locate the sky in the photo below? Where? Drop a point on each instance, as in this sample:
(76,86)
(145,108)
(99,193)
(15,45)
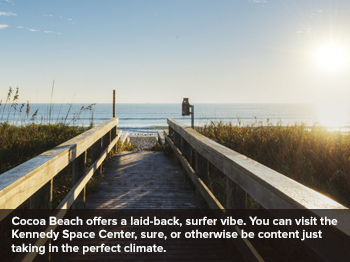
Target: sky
(159,51)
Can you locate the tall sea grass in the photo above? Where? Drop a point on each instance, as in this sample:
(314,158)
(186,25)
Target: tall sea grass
(313,156)
(26,136)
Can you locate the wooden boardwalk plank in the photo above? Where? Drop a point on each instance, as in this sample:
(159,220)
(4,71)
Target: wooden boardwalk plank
(145,180)
(142,179)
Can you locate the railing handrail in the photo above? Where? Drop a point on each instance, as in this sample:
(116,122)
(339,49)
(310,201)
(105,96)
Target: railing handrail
(268,187)
(21,182)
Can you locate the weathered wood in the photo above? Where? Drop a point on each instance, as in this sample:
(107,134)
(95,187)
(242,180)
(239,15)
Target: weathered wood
(113,135)
(78,170)
(236,197)
(202,168)
(96,152)
(106,139)
(270,188)
(78,187)
(161,138)
(186,150)
(142,179)
(19,183)
(244,246)
(171,132)
(203,189)
(177,139)
(67,202)
(42,199)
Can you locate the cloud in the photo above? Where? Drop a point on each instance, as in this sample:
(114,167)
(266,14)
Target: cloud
(3,26)
(69,19)
(47,15)
(33,30)
(48,32)
(19,26)
(8,14)
(5,2)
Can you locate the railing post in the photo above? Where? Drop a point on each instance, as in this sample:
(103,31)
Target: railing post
(186,150)
(236,197)
(78,170)
(201,166)
(42,199)
(105,141)
(177,143)
(177,140)
(113,135)
(109,141)
(96,152)
(171,132)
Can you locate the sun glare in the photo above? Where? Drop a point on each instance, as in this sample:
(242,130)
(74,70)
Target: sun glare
(331,57)
(333,115)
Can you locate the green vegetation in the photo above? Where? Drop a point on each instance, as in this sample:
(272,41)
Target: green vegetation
(21,143)
(25,138)
(312,156)
(157,147)
(125,146)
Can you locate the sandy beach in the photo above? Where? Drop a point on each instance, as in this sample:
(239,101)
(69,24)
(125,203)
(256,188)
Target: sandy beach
(143,142)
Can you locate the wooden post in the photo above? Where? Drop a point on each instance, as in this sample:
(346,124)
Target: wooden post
(201,166)
(109,141)
(177,140)
(78,170)
(113,135)
(177,143)
(96,152)
(105,141)
(42,199)
(235,196)
(113,102)
(171,132)
(186,150)
(235,199)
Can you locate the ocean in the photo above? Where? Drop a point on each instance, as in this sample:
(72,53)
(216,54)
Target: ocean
(148,118)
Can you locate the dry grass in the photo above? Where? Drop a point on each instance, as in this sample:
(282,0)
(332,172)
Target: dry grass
(312,156)
(24,138)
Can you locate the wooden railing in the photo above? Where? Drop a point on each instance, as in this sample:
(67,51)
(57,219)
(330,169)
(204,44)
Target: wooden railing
(269,188)
(34,178)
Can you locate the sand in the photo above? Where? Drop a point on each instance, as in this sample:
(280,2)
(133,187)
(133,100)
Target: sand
(143,142)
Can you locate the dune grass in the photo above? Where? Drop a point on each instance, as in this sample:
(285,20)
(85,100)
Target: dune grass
(25,137)
(21,143)
(313,156)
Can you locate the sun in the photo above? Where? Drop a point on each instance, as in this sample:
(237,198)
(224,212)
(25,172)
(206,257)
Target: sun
(331,57)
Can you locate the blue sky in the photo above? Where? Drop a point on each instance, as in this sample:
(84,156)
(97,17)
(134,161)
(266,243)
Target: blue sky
(159,51)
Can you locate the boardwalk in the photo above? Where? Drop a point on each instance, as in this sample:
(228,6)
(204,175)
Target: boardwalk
(142,180)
